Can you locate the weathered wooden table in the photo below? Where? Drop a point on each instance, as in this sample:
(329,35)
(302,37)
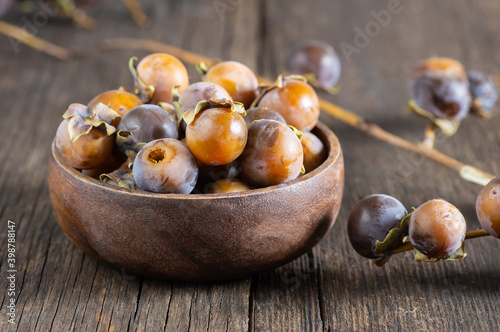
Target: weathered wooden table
(331,288)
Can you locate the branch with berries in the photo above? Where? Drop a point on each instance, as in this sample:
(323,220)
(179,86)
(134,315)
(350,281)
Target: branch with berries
(379,226)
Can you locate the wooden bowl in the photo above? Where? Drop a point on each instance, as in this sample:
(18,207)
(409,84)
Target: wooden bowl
(198,237)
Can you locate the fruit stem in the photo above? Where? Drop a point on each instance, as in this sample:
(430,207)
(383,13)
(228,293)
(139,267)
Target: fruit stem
(429,135)
(467,172)
(144,91)
(477,233)
(408,246)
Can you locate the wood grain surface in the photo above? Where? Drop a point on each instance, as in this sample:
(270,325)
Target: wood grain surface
(330,288)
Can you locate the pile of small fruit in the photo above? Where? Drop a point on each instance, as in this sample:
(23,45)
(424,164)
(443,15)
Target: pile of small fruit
(223,134)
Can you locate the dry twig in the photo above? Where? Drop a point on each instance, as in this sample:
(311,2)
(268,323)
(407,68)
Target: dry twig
(135,9)
(29,39)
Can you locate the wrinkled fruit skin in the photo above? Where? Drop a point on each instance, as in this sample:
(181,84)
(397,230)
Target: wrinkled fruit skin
(318,58)
(260,113)
(437,229)
(146,123)
(488,207)
(371,219)
(200,91)
(217,136)
(163,71)
(445,97)
(314,151)
(237,79)
(483,88)
(165,166)
(88,151)
(296,101)
(227,186)
(273,154)
(118,100)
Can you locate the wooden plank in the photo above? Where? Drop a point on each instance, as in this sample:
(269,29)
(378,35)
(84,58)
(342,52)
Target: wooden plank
(288,298)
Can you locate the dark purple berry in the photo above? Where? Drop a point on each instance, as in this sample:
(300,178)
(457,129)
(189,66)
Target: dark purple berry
(370,221)
(317,58)
(143,124)
(444,96)
(482,89)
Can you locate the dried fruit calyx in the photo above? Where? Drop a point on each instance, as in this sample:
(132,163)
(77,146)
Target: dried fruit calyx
(237,107)
(82,119)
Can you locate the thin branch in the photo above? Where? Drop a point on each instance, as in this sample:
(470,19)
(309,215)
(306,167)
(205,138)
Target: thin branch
(135,9)
(469,235)
(29,39)
(467,172)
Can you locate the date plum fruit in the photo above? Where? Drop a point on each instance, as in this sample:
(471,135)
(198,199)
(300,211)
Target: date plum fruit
(273,154)
(237,79)
(371,219)
(484,91)
(316,58)
(227,186)
(163,72)
(296,101)
(488,207)
(144,124)
(165,166)
(440,86)
(260,113)
(437,229)
(119,101)
(216,135)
